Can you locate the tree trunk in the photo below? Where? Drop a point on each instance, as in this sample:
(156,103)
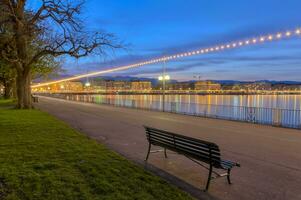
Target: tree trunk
(24,90)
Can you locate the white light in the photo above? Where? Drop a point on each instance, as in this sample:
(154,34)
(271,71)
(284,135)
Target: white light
(240,43)
(167,77)
(62,86)
(254,40)
(262,39)
(288,33)
(234,44)
(87,84)
(247,42)
(270,37)
(298,31)
(279,35)
(160,78)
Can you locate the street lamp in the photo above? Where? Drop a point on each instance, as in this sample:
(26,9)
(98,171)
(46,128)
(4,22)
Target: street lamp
(87,84)
(163,78)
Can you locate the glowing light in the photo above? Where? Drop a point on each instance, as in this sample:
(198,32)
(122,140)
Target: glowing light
(62,86)
(87,84)
(165,77)
(234,44)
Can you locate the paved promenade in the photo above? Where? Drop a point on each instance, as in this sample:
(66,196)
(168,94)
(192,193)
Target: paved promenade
(270,157)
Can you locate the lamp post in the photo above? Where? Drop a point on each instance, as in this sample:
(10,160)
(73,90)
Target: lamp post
(164,77)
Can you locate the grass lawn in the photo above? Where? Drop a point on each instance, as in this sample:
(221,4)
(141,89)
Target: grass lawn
(43,158)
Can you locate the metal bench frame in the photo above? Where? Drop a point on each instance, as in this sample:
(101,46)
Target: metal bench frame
(199,151)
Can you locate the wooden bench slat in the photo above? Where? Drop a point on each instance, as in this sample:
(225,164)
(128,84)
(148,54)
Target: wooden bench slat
(187,145)
(186,139)
(195,149)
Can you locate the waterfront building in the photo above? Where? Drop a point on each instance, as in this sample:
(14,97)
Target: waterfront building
(141,85)
(207,85)
(257,86)
(180,86)
(117,85)
(286,87)
(70,86)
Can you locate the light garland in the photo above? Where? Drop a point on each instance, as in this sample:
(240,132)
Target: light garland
(230,45)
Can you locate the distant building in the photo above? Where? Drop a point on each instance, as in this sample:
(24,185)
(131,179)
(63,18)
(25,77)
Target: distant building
(141,85)
(70,86)
(286,87)
(113,85)
(207,85)
(180,86)
(257,86)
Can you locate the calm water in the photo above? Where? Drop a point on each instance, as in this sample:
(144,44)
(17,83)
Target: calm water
(292,102)
(277,110)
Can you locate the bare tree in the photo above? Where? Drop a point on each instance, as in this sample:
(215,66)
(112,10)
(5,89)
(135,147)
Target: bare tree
(55,29)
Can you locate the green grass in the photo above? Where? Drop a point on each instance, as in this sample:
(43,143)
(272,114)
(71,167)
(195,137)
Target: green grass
(43,158)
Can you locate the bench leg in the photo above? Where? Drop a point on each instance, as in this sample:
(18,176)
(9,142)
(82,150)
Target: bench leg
(228,176)
(165,154)
(209,178)
(149,148)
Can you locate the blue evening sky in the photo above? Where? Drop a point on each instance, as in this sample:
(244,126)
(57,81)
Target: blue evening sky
(154,28)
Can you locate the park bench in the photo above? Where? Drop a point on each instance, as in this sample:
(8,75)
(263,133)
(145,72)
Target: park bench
(196,150)
(35,99)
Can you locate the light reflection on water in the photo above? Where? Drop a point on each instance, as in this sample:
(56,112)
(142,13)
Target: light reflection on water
(278,110)
(292,102)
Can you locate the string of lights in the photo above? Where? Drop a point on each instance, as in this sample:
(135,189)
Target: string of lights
(216,48)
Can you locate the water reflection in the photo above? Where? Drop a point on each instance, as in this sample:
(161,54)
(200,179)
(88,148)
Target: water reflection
(292,102)
(277,110)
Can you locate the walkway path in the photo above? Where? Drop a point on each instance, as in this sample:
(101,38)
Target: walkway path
(270,156)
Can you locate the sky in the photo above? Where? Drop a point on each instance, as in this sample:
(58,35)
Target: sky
(154,28)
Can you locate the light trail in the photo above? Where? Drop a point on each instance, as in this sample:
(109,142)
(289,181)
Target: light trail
(231,45)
